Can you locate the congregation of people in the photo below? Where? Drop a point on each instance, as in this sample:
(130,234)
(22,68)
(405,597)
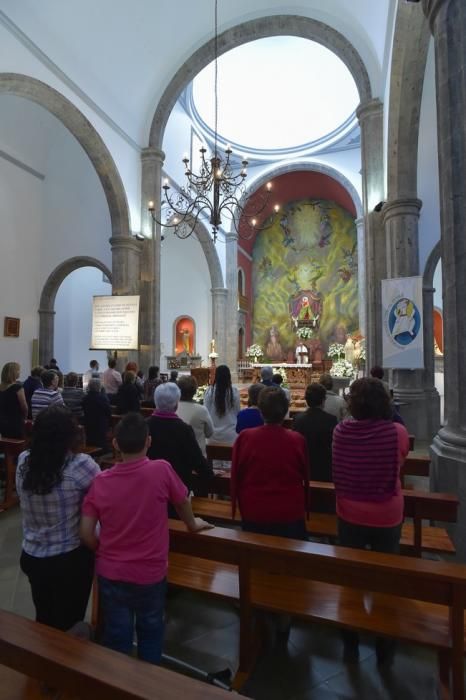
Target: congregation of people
(79,520)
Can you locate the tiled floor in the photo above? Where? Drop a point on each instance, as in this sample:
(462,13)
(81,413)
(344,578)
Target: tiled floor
(308,666)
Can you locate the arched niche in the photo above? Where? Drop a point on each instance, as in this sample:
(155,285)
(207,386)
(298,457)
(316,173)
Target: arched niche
(184,335)
(47,300)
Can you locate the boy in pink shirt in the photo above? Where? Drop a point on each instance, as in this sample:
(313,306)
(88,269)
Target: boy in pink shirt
(130,503)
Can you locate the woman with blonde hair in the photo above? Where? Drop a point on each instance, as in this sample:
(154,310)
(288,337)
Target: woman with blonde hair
(13,404)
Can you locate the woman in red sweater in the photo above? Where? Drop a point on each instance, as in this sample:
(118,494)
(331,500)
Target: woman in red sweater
(270,471)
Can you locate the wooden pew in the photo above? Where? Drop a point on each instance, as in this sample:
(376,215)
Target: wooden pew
(409,599)
(81,669)
(419,506)
(414,465)
(11,448)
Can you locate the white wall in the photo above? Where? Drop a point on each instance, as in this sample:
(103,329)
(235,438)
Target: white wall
(73,320)
(47,217)
(21,205)
(428,179)
(185,290)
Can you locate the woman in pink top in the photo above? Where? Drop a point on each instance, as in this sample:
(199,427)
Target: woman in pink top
(367,455)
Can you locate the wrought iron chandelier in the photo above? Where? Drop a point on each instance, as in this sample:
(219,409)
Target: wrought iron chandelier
(217,190)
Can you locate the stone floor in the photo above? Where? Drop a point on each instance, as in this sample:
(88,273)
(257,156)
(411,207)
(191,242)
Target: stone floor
(308,666)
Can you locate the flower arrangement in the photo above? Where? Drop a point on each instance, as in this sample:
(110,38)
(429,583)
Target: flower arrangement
(336,350)
(282,372)
(254,351)
(199,395)
(342,368)
(305,332)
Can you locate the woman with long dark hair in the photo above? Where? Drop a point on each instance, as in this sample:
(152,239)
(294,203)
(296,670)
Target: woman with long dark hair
(223,403)
(52,479)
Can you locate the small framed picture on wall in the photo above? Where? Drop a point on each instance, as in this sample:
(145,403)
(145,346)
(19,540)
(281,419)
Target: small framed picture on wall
(11,327)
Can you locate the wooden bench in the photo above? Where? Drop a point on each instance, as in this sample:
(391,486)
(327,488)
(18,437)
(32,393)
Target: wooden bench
(416,537)
(408,599)
(11,448)
(81,669)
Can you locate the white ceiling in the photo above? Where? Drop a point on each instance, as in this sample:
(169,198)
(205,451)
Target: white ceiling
(123,54)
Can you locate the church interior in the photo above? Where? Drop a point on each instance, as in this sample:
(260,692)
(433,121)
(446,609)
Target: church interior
(280,186)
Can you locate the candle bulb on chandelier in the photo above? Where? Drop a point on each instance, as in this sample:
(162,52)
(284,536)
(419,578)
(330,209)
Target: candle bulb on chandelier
(151,206)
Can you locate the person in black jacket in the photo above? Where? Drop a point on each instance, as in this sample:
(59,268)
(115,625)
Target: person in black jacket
(317,427)
(174,440)
(97,415)
(128,398)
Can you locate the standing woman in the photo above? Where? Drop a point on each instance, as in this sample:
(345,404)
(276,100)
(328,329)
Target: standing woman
(13,404)
(223,403)
(52,480)
(367,455)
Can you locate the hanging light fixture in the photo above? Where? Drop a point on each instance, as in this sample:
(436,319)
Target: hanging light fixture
(217,190)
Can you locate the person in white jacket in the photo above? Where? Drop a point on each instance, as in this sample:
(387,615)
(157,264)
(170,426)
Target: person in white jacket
(193,413)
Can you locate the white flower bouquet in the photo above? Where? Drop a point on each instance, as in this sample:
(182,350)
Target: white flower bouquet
(254,352)
(305,332)
(336,350)
(342,368)
(199,395)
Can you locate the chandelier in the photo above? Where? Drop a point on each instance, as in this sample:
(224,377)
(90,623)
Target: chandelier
(217,190)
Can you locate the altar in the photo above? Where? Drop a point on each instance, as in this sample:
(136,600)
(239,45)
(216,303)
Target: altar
(296,374)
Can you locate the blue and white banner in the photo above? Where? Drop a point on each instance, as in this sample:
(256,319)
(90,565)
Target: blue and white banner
(402,328)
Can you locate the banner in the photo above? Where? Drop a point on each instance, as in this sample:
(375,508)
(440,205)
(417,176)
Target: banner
(115,322)
(402,327)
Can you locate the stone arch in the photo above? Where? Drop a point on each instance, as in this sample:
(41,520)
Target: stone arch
(410,47)
(431,264)
(84,132)
(48,296)
(277,25)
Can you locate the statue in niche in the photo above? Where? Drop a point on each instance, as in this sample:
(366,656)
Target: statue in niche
(186,337)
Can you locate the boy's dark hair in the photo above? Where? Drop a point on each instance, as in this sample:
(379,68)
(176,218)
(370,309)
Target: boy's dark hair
(315,394)
(277,378)
(112,363)
(47,377)
(377,372)
(71,379)
(131,433)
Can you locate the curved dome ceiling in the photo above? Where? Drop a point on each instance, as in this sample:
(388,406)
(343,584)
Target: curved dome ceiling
(277,93)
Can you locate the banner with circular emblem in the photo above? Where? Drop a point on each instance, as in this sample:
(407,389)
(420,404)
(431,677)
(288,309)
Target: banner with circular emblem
(402,327)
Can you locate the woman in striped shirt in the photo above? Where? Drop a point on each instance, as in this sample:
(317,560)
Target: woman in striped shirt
(367,455)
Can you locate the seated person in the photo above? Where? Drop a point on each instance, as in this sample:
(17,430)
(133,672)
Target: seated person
(73,395)
(377,373)
(269,474)
(173,439)
(32,383)
(334,404)
(130,503)
(97,415)
(278,380)
(46,395)
(317,427)
(150,385)
(195,415)
(128,395)
(250,417)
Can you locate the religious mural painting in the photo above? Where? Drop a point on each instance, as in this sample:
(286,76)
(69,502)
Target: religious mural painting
(305,280)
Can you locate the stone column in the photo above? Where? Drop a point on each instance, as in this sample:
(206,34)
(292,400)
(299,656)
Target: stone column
(370,116)
(219,314)
(126,258)
(447,20)
(46,335)
(362,292)
(401,219)
(231,328)
(149,325)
